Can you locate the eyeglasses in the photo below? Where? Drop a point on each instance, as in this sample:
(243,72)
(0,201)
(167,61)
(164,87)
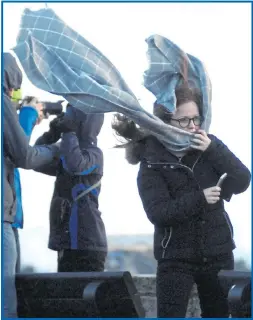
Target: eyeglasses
(185,122)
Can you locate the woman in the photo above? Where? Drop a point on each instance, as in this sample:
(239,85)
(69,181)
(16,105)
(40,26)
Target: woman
(193,238)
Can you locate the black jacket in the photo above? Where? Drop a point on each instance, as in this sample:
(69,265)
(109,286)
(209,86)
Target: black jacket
(171,190)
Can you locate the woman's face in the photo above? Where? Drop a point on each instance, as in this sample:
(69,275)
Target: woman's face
(187,117)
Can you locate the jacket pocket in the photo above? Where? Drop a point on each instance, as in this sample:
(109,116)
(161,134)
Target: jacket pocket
(230,226)
(166,240)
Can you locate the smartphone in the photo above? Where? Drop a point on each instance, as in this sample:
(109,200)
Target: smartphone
(221,180)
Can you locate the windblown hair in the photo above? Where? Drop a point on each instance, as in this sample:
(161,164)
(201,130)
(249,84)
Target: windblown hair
(134,135)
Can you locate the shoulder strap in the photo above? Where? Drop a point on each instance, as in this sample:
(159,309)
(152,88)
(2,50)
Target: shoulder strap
(88,190)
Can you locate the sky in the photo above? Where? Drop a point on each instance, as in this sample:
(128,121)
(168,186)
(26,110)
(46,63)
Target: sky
(219,34)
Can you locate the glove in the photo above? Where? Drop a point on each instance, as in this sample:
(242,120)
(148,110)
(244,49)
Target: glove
(53,134)
(54,128)
(66,124)
(54,124)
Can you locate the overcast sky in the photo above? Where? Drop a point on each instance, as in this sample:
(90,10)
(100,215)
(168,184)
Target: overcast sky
(218,34)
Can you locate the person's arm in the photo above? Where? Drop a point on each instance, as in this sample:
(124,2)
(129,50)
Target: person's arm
(161,208)
(50,137)
(49,169)
(16,143)
(28,117)
(223,160)
(75,160)
(46,138)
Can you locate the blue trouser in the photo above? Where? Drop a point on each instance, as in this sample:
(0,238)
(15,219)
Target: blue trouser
(9,263)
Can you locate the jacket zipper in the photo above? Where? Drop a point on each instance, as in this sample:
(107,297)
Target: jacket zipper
(165,244)
(164,247)
(176,163)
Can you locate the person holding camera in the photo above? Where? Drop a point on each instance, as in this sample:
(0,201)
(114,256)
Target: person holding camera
(77,231)
(17,153)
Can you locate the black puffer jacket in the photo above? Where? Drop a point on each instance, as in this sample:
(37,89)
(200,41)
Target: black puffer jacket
(171,190)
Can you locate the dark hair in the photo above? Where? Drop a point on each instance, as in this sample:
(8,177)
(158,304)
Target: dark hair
(184,94)
(134,135)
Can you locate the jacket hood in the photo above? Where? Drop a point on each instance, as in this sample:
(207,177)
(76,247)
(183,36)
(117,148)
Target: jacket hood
(12,73)
(89,126)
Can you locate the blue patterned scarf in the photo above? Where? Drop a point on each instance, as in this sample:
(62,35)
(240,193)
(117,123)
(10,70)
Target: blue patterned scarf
(57,59)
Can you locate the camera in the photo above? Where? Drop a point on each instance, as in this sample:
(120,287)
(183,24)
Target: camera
(52,108)
(49,108)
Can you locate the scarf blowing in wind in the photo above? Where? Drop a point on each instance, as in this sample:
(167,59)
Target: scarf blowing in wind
(57,59)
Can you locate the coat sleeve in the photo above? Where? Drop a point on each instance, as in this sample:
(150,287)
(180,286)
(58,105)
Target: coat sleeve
(52,167)
(49,169)
(77,161)
(27,119)
(161,208)
(17,146)
(224,161)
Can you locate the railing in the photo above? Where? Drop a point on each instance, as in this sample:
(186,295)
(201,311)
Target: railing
(113,294)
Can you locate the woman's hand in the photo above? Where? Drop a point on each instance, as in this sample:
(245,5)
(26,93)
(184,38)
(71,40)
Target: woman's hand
(212,194)
(200,141)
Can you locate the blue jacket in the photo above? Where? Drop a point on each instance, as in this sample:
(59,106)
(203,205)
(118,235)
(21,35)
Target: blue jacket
(77,224)
(27,119)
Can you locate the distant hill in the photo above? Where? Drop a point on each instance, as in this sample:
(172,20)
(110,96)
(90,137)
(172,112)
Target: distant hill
(131,242)
(35,253)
